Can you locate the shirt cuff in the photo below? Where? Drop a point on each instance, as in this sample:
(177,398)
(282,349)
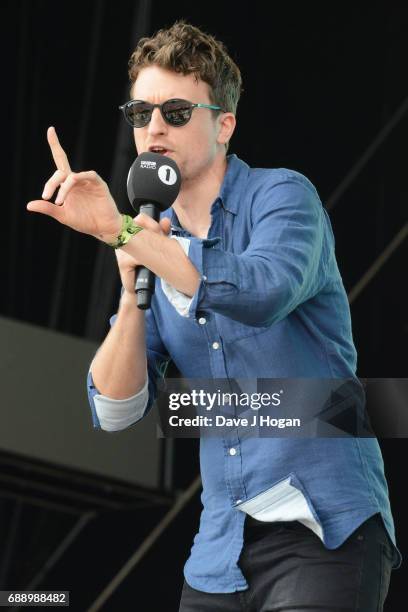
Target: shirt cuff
(118,414)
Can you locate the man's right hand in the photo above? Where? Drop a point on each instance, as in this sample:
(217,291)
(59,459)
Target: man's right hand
(83,202)
(126,263)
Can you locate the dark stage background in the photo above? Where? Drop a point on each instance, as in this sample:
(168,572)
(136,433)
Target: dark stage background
(321,82)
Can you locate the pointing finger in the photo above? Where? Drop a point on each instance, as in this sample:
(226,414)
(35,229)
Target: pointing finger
(58,153)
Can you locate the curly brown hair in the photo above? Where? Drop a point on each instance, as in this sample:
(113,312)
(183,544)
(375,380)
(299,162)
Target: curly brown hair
(186,49)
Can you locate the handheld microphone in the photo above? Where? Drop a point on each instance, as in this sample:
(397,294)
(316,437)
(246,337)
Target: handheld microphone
(153,184)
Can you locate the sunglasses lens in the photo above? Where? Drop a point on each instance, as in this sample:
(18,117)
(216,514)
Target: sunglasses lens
(177,112)
(138,113)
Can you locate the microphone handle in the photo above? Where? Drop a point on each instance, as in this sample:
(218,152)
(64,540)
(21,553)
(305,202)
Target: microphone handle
(145,278)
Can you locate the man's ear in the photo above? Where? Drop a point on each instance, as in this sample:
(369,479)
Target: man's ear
(226,129)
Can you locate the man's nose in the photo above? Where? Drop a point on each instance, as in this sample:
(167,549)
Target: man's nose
(157,124)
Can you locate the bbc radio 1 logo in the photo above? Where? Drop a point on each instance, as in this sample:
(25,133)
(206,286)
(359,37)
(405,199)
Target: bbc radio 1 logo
(167,175)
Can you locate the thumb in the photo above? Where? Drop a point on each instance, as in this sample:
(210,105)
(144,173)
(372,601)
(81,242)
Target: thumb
(165,225)
(41,206)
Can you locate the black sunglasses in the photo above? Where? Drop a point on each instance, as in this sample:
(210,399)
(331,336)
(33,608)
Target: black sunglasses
(175,112)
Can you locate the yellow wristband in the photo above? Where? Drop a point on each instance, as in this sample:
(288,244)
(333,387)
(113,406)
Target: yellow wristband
(129,229)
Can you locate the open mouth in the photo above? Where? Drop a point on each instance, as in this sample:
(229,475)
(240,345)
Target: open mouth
(159,150)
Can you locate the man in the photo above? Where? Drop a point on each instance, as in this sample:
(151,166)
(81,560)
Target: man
(247,287)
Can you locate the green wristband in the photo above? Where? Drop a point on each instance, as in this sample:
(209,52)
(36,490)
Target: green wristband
(129,229)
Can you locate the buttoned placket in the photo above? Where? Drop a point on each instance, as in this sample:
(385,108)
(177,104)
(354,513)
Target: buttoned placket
(208,323)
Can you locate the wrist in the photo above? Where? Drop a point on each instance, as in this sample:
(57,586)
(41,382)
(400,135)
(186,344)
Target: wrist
(128,297)
(128,303)
(127,230)
(112,235)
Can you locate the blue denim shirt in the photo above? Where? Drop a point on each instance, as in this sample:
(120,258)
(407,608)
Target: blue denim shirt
(274,306)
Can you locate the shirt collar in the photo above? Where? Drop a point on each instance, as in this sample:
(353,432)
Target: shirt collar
(233,185)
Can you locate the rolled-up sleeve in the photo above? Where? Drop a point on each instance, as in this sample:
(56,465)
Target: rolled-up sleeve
(281,267)
(118,414)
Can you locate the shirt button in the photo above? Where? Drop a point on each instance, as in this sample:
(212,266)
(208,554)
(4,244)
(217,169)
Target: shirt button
(202,320)
(215,345)
(232,451)
(238,501)
(204,277)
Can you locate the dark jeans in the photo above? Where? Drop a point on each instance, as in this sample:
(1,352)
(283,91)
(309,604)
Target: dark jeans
(288,569)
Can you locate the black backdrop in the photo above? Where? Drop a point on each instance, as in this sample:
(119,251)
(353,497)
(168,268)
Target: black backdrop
(320,82)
